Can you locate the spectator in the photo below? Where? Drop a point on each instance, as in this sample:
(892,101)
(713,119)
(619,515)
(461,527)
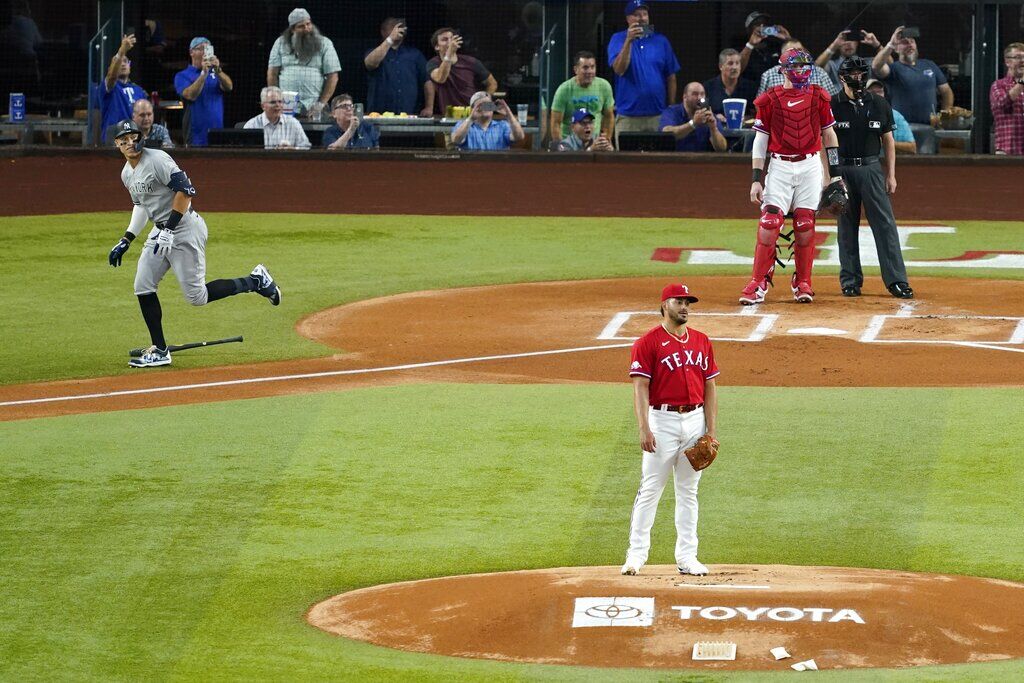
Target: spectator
(279,131)
(645,72)
(347,131)
(840,49)
(202,85)
(729,84)
(1007,99)
(773,77)
(481,131)
(764,45)
(454,77)
(903,136)
(118,95)
(912,81)
(22,36)
(304,61)
(585,90)
(154,135)
(581,136)
(398,72)
(693,124)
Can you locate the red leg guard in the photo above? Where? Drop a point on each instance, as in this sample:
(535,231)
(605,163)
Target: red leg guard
(803,244)
(772,220)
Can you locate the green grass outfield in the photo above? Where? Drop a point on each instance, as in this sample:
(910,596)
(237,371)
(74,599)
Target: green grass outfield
(65,313)
(132,553)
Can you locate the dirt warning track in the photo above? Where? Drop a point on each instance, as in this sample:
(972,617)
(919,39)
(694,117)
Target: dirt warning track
(958,332)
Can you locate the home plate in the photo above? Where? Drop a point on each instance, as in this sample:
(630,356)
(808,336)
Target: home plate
(817,331)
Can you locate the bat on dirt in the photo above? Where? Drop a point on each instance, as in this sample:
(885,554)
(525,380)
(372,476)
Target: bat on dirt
(137,353)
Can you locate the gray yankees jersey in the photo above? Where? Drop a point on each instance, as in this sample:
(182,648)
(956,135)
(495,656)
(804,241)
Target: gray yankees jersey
(153,183)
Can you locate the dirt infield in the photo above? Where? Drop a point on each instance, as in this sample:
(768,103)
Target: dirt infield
(841,618)
(527,185)
(579,332)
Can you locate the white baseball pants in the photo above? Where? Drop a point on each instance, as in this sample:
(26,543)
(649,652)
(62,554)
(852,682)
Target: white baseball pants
(673,433)
(793,184)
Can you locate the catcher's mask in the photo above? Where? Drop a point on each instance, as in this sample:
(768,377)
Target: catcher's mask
(854,72)
(798,66)
(129,127)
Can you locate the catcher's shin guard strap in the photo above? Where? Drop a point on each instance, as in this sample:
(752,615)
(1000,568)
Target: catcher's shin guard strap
(803,247)
(768,229)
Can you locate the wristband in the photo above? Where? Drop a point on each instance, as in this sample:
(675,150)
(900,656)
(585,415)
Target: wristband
(757,175)
(446,58)
(389,41)
(128,236)
(750,47)
(172,222)
(833,162)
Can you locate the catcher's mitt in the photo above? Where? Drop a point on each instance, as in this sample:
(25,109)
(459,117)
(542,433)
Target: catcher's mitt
(702,453)
(834,198)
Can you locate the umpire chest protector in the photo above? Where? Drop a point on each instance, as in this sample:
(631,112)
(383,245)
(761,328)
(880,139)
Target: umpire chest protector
(860,124)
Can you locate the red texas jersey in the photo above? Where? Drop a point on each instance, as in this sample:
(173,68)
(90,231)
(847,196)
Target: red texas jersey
(793,119)
(676,366)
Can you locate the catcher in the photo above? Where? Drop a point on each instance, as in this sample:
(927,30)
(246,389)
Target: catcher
(675,400)
(793,121)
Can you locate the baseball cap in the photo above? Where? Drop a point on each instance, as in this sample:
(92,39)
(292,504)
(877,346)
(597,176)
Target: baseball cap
(297,16)
(580,114)
(197,41)
(753,17)
(871,82)
(674,291)
(477,96)
(634,5)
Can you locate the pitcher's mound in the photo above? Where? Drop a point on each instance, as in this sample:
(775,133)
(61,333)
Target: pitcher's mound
(592,616)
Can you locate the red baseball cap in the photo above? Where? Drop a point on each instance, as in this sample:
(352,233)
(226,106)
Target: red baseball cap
(674,291)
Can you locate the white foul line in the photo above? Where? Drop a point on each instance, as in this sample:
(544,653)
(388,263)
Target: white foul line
(737,586)
(308,375)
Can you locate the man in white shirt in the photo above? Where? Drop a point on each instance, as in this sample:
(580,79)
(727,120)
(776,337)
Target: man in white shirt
(279,131)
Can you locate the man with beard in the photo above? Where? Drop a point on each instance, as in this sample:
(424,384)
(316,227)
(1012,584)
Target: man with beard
(586,90)
(842,48)
(1007,99)
(397,72)
(912,81)
(304,61)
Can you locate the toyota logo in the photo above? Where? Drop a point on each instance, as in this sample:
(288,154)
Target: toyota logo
(613,612)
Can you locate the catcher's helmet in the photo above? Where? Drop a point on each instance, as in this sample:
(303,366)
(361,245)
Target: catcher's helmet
(128,127)
(798,66)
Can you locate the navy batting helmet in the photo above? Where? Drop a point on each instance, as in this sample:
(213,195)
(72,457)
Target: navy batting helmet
(127,127)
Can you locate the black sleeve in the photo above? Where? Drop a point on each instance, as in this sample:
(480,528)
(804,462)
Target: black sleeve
(885,114)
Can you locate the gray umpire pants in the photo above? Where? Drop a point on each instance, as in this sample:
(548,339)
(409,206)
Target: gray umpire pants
(866,185)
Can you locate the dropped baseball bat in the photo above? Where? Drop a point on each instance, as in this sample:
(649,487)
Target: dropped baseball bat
(137,353)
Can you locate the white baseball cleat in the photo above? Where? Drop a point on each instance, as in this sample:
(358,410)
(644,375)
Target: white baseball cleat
(693,566)
(151,358)
(754,293)
(267,286)
(630,569)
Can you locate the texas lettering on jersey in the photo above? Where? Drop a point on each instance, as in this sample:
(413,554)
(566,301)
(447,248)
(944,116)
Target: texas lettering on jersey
(678,367)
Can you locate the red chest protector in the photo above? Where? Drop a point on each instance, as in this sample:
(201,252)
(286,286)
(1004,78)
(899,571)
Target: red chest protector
(795,118)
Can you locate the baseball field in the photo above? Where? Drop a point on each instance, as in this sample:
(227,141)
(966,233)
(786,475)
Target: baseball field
(440,396)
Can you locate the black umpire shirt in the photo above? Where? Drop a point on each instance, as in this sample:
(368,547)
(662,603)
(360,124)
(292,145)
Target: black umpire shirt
(861,125)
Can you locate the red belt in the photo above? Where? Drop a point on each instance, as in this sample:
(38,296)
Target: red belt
(678,409)
(792,157)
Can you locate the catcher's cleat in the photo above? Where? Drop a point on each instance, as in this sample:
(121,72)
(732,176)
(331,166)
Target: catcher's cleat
(266,285)
(901,290)
(753,293)
(630,569)
(693,566)
(802,291)
(151,358)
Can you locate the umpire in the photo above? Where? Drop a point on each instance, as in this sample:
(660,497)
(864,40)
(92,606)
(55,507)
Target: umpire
(864,124)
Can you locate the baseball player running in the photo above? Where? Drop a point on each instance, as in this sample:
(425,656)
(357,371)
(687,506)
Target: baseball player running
(161,192)
(793,120)
(675,400)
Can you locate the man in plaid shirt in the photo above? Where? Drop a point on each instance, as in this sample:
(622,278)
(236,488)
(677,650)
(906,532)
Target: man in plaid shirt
(1007,99)
(773,76)
(280,131)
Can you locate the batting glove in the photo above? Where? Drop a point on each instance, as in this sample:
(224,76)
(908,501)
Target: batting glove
(164,242)
(114,258)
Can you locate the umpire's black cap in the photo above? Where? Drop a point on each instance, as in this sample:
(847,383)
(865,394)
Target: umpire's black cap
(854,63)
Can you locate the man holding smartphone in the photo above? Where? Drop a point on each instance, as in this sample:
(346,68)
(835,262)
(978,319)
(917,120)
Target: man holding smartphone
(842,48)
(202,86)
(913,82)
(481,131)
(397,72)
(645,69)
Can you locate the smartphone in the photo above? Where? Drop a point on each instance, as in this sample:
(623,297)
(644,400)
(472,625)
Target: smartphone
(359,111)
(400,22)
(911,32)
(769,31)
(857,35)
(207,51)
(486,106)
(648,30)
(702,103)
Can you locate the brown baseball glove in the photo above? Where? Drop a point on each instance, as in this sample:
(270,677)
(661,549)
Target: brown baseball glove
(834,198)
(702,453)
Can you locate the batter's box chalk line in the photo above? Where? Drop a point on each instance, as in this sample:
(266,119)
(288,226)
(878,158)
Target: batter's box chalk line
(766,321)
(877,323)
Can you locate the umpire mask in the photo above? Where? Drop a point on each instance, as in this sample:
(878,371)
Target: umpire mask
(854,73)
